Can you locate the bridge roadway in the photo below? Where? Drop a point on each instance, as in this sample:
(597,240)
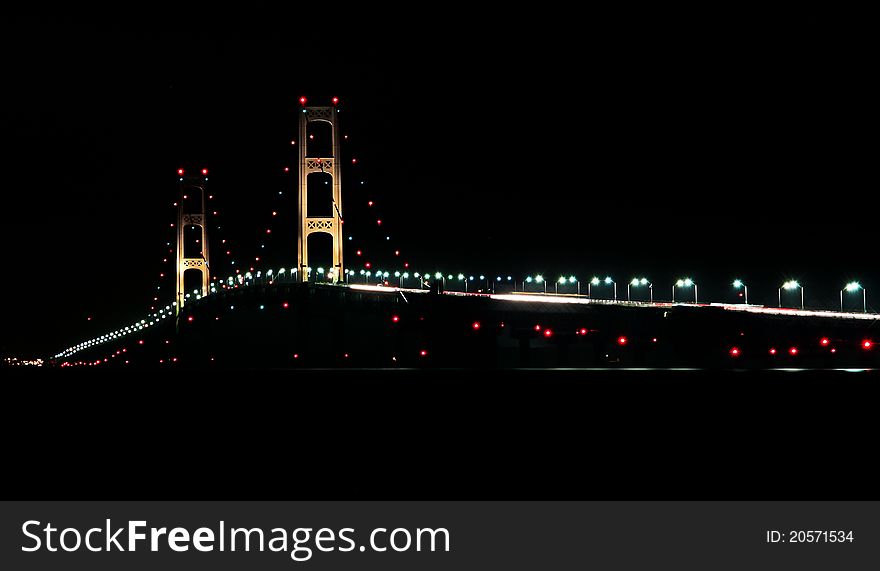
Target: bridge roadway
(579,299)
(684,330)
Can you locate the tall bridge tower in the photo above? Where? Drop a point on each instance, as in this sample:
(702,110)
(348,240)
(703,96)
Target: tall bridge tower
(328,224)
(191,212)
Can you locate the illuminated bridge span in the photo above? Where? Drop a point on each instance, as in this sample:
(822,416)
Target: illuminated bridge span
(336,316)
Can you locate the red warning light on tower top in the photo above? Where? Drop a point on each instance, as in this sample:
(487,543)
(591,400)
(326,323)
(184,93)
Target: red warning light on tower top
(205,172)
(335,100)
(302,100)
(180,172)
(867,344)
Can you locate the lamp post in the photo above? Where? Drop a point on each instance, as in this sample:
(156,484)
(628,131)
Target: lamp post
(739,284)
(640,282)
(790,285)
(462,278)
(686,282)
(540,279)
(608,280)
(597,281)
(855,286)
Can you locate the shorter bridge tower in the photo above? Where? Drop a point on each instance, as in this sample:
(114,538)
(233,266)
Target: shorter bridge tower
(192,212)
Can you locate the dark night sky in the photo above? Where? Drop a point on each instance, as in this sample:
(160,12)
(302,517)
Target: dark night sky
(665,144)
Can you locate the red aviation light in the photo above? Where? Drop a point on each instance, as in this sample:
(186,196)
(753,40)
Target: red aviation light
(335,100)
(735,352)
(180,172)
(824,341)
(772,351)
(867,344)
(793,351)
(622,340)
(395,319)
(548,333)
(205,172)
(302,100)
(476,325)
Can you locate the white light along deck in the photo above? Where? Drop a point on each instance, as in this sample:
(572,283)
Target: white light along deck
(572,299)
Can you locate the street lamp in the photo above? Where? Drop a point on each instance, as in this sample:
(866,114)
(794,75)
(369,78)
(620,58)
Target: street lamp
(686,282)
(739,284)
(608,280)
(590,284)
(461,278)
(540,279)
(561,280)
(855,286)
(790,285)
(640,282)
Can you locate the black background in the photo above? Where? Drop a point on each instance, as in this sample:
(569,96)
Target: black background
(715,144)
(513,140)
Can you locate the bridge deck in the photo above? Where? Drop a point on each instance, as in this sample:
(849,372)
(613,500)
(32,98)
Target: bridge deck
(575,299)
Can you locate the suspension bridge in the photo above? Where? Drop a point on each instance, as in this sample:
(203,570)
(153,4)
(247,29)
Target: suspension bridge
(300,315)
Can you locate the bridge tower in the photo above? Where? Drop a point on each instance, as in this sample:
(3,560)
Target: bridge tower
(192,212)
(331,224)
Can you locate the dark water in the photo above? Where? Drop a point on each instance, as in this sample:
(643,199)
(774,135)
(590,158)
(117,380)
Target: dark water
(443,433)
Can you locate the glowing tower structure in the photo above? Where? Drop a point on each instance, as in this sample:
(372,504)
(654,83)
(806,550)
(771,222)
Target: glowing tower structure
(329,165)
(191,212)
